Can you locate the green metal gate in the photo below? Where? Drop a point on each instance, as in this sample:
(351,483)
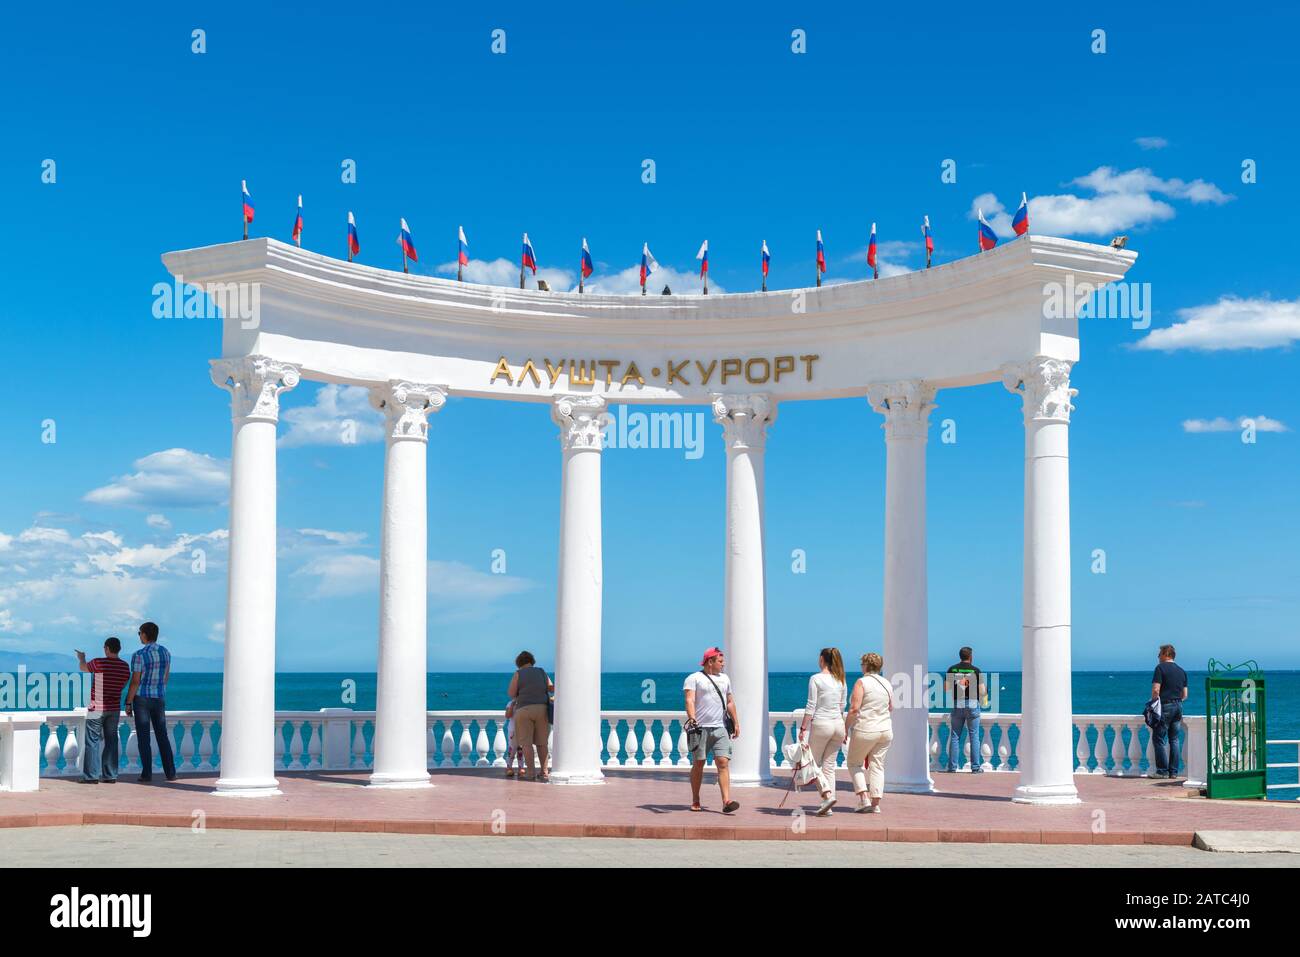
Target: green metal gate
(1235,731)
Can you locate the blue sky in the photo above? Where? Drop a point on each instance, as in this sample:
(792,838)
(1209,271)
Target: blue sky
(750,141)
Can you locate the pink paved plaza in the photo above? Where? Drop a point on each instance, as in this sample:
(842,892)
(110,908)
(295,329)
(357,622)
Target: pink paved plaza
(967,808)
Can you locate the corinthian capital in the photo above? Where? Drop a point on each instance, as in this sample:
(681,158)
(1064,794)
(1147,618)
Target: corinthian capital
(1044,387)
(406,407)
(744,419)
(254,384)
(906,406)
(582,420)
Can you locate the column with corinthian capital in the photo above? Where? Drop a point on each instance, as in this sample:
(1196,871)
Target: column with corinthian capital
(744,420)
(906,407)
(582,420)
(1046,746)
(247,766)
(401,705)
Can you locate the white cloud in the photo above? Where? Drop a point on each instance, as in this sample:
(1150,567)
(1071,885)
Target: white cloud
(339,576)
(337,538)
(217,632)
(158,521)
(1123,200)
(340,415)
(1151,142)
(176,478)
(627,282)
(458,591)
(1262,423)
(504,272)
(1230,323)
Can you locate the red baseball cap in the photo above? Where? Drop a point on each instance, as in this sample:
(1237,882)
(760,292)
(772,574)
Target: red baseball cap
(711,653)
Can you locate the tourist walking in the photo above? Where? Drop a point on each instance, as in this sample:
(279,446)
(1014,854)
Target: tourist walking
(871,731)
(711,725)
(967,690)
(104,714)
(1169,687)
(151,666)
(824,711)
(530,691)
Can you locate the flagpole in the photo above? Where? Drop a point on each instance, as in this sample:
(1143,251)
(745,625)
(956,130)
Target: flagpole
(581,264)
(405,268)
(245,215)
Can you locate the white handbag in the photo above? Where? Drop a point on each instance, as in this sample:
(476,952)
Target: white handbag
(799,758)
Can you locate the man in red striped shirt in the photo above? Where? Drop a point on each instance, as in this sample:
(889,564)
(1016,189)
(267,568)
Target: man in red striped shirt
(104,715)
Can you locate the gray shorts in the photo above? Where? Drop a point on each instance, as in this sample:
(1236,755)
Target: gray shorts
(712,739)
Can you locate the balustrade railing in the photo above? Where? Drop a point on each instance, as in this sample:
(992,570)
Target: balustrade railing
(340,739)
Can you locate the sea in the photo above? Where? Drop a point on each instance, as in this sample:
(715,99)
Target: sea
(1094,692)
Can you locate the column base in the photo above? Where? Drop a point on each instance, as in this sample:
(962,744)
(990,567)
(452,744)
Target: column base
(396,781)
(577,778)
(247,787)
(909,787)
(748,782)
(1049,794)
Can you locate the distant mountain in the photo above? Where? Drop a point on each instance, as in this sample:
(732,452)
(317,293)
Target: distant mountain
(46,661)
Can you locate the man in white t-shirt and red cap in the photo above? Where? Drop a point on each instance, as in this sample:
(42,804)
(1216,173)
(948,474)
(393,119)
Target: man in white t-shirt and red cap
(711,726)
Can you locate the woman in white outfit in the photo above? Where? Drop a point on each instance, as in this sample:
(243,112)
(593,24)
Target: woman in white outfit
(825,712)
(870,733)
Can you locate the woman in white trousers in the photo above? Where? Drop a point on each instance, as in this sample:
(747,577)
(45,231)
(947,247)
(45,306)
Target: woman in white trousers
(824,711)
(870,733)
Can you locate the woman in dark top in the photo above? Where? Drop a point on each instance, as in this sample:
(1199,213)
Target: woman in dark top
(530,690)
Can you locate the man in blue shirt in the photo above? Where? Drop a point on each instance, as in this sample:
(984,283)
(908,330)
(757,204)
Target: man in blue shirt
(151,666)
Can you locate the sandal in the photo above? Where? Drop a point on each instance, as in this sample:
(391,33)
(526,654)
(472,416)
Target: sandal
(510,772)
(545,777)
(696,807)
(730,807)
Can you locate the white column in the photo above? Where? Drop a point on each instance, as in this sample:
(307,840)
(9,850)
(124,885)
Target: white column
(744,420)
(248,688)
(906,407)
(1046,746)
(401,706)
(582,420)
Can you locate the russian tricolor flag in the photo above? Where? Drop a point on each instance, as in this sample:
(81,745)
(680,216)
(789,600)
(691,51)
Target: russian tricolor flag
(248,201)
(648,264)
(703,257)
(988,238)
(871,249)
(354,243)
(929,239)
(821,255)
(529,260)
(408,246)
(463,256)
(297,223)
(1021,222)
(767,256)
(588,267)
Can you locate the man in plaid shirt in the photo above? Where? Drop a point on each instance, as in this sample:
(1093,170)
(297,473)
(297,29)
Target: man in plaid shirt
(151,666)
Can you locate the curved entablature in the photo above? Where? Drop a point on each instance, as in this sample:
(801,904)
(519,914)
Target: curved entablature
(955,324)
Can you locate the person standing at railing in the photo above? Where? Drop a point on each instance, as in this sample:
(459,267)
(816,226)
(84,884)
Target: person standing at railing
(1169,686)
(711,725)
(871,732)
(968,690)
(146,698)
(104,715)
(824,711)
(530,691)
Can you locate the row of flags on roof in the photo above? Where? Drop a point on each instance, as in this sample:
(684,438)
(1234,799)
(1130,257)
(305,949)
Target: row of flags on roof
(528,257)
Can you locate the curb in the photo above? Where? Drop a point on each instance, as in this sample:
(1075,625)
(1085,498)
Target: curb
(896,835)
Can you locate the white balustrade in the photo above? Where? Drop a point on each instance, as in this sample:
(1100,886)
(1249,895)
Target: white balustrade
(1115,745)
